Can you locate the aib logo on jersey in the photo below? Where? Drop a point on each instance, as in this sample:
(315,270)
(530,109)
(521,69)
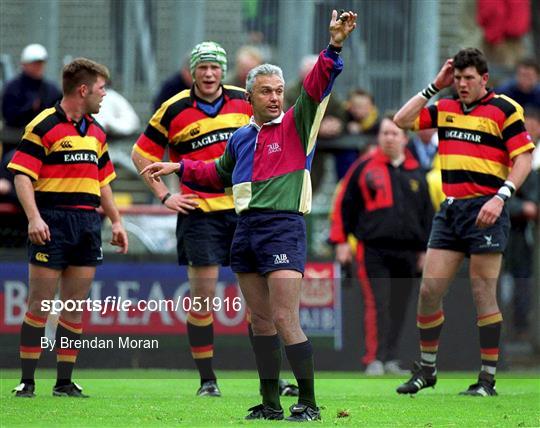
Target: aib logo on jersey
(273,148)
(195,130)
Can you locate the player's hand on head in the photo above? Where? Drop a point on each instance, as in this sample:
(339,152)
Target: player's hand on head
(119,238)
(157,169)
(182,203)
(38,231)
(445,77)
(489,213)
(341,25)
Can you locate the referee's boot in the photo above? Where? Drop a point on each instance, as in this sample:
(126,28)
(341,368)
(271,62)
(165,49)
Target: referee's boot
(420,379)
(485,387)
(70,390)
(262,411)
(24,390)
(303,413)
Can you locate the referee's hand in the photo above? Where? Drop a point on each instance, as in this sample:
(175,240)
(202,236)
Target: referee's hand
(157,169)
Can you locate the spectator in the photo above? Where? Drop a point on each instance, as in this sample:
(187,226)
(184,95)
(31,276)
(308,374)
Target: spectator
(423,146)
(174,84)
(504,23)
(523,215)
(523,208)
(361,118)
(385,204)
(27,94)
(7,188)
(532,124)
(117,116)
(362,115)
(524,88)
(247,57)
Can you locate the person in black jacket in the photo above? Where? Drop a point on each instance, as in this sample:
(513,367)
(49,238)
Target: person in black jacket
(27,94)
(385,204)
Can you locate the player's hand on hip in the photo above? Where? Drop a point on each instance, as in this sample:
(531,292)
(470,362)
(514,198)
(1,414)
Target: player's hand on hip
(489,213)
(157,169)
(38,231)
(341,26)
(119,237)
(445,77)
(182,203)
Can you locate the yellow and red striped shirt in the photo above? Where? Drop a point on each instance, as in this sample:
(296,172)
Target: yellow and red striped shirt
(189,133)
(67,166)
(476,147)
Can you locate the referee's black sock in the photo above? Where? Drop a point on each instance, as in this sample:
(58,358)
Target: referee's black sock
(300,358)
(268,357)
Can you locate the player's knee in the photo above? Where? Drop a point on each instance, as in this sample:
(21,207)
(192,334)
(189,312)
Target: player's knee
(283,319)
(429,292)
(262,326)
(483,296)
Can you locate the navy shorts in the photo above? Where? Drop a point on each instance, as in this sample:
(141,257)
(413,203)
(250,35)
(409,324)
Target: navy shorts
(75,239)
(454,228)
(204,239)
(266,241)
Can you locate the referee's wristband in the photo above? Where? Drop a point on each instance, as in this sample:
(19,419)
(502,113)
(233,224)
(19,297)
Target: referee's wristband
(164,199)
(429,91)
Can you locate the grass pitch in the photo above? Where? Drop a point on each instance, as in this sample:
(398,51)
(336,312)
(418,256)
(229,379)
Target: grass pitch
(123,398)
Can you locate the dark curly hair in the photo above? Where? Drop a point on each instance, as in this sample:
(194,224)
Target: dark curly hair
(471,57)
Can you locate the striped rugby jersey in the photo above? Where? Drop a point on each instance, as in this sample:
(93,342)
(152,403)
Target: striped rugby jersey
(183,128)
(269,166)
(68,167)
(476,148)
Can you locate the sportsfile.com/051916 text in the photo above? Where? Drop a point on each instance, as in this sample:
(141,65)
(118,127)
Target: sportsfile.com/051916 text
(113,303)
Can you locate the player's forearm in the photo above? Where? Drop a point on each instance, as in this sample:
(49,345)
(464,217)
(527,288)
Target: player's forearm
(26,195)
(407,114)
(521,169)
(202,174)
(108,205)
(158,188)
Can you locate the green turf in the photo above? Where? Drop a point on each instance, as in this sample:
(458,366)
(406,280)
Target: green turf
(166,398)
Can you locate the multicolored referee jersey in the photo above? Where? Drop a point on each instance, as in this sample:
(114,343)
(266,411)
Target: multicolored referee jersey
(476,147)
(192,129)
(67,165)
(269,166)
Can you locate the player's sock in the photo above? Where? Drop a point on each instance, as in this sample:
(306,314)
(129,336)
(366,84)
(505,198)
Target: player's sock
(66,352)
(489,327)
(268,357)
(300,358)
(32,330)
(430,327)
(200,330)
